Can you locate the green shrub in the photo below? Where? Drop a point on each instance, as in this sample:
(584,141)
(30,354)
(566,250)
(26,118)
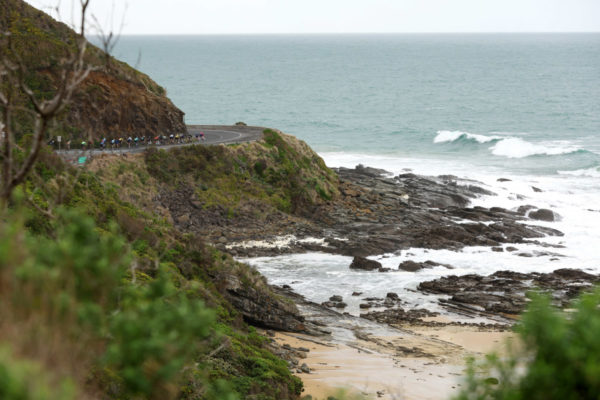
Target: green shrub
(154,333)
(559,357)
(71,277)
(26,380)
(71,296)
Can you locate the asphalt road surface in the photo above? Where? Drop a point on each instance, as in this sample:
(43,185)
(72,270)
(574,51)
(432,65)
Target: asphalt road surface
(213,134)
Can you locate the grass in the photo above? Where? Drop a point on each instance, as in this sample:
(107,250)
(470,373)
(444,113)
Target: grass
(279,170)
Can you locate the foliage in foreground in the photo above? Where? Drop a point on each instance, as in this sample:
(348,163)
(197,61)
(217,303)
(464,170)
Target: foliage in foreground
(125,276)
(559,357)
(70,310)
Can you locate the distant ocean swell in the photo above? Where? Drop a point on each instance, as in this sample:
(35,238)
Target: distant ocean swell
(510,146)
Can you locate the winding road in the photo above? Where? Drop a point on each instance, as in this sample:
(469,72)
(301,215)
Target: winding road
(213,134)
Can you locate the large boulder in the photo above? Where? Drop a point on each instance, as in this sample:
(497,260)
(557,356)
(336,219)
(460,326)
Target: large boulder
(365,264)
(412,266)
(543,214)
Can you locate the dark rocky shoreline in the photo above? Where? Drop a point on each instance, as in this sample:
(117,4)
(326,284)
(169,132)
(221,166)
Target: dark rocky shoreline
(377,213)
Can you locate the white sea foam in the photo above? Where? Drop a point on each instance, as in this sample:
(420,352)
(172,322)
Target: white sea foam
(519,148)
(451,136)
(277,242)
(593,172)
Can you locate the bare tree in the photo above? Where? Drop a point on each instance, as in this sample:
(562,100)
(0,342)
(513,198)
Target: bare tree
(108,39)
(72,71)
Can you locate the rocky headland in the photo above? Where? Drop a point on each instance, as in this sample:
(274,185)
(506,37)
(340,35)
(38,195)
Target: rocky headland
(376,213)
(276,196)
(188,212)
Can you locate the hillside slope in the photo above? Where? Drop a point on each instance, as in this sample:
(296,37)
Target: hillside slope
(114,101)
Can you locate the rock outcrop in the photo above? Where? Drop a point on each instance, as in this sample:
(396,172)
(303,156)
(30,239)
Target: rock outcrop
(365,264)
(504,292)
(260,306)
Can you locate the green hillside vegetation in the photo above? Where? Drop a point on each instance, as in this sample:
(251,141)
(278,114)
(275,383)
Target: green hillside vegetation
(109,101)
(279,170)
(108,301)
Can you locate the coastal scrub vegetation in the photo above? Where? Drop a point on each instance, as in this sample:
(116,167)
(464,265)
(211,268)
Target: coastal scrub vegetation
(103,299)
(559,357)
(101,296)
(279,170)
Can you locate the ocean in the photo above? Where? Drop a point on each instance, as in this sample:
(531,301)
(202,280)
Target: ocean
(524,107)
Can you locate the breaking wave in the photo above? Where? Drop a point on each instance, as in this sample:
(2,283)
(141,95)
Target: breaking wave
(509,146)
(452,136)
(519,148)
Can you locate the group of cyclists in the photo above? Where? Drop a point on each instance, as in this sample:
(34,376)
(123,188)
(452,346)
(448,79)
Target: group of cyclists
(136,141)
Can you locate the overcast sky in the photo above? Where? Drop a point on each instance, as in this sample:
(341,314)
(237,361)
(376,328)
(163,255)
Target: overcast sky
(337,16)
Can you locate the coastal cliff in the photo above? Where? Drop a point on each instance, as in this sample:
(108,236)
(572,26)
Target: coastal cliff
(102,296)
(114,101)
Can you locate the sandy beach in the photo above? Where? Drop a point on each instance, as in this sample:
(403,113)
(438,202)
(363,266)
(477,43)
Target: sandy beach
(425,363)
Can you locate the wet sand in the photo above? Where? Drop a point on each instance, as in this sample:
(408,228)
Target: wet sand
(425,364)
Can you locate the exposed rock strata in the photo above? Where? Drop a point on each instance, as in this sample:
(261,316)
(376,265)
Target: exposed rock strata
(504,292)
(377,214)
(373,215)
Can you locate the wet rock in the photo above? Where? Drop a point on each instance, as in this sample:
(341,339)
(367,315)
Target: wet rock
(511,249)
(504,292)
(364,305)
(398,315)
(412,266)
(523,210)
(334,304)
(575,274)
(479,190)
(497,249)
(371,172)
(304,368)
(365,264)
(503,180)
(543,214)
(393,296)
(336,297)
(536,189)
(356,293)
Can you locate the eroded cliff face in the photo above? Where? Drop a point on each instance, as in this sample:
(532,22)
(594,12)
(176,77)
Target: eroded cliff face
(114,101)
(111,106)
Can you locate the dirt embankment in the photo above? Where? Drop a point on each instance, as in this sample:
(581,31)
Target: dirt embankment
(109,106)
